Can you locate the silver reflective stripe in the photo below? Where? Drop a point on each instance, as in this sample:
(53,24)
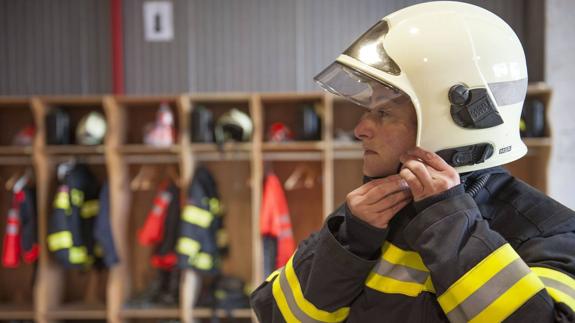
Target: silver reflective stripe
(506,93)
(399,272)
(12,229)
(13,214)
(558,285)
(489,292)
(296,311)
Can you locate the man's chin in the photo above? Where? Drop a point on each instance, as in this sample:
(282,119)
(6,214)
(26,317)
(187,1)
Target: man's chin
(373,172)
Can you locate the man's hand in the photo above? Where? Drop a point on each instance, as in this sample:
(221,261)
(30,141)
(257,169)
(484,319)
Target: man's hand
(427,174)
(378,201)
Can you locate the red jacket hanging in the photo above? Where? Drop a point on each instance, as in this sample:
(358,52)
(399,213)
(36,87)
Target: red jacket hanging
(275,220)
(161,225)
(20,235)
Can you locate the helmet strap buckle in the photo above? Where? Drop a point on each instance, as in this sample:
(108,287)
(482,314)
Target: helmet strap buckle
(467,155)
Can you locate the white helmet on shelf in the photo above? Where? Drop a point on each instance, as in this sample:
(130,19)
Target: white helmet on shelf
(462,67)
(91,129)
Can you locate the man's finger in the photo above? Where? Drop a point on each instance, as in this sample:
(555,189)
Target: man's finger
(363,189)
(419,169)
(384,189)
(392,211)
(391,200)
(411,179)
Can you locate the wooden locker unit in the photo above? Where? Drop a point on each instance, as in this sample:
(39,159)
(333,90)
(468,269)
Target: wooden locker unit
(16,284)
(239,169)
(232,166)
(64,294)
(127,155)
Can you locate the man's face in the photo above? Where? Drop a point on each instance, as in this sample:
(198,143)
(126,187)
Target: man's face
(386,131)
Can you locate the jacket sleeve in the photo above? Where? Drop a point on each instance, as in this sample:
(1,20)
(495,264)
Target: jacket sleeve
(479,277)
(319,282)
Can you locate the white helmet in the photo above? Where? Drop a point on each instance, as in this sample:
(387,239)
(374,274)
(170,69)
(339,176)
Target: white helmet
(91,129)
(463,68)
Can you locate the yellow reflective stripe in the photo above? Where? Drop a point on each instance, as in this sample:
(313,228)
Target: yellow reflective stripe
(222,238)
(197,216)
(77,197)
(392,286)
(510,300)
(60,240)
(556,294)
(398,256)
(282,303)
(561,297)
(476,277)
(555,275)
(215,207)
(90,209)
(307,307)
(77,255)
(389,285)
(61,201)
(203,261)
(428,285)
(274,274)
(187,246)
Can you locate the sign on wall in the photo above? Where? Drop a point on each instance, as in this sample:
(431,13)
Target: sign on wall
(158,21)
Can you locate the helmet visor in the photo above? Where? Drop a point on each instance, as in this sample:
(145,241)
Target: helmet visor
(357,87)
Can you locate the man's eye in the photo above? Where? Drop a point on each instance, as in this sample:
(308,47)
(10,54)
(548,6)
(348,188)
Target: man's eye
(382,113)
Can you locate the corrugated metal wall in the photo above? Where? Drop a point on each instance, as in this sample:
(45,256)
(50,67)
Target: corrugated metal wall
(220,45)
(156,67)
(49,47)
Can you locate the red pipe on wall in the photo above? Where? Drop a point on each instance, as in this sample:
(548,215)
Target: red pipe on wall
(117,47)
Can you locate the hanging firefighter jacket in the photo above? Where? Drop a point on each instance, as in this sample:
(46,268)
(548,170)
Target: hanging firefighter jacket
(161,226)
(275,225)
(20,239)
(202,240)
(105,248)
(71,228)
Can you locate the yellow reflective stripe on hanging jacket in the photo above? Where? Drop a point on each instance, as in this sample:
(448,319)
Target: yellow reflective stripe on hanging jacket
(560,286)
(400,272)
(188,247)
(60,240)
(293,305)
(78,255)
(197,216)
(77,197)
(492,290)
(202,261)
(90,209)
(62,201)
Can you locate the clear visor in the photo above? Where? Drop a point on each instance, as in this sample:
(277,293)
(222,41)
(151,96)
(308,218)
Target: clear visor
(357,87)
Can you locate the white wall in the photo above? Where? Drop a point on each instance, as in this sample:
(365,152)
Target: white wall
(560,75)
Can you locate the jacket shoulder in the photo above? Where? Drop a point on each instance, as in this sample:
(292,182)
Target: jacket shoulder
(524,211)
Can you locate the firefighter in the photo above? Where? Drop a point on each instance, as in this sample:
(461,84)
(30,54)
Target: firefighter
(439,232)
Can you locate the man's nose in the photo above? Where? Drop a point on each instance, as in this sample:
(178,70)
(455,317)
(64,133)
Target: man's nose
(364,128)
